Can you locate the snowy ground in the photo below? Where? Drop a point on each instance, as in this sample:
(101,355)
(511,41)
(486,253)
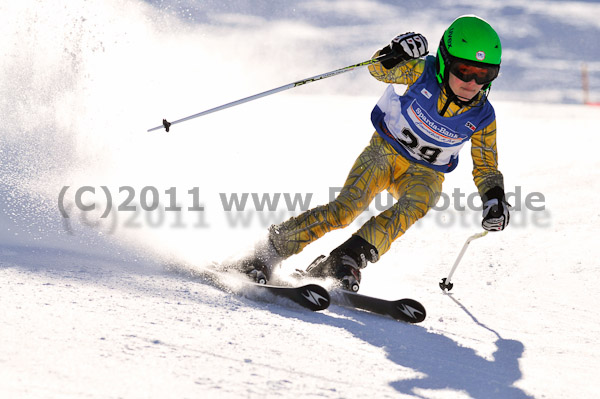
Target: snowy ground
(88,308)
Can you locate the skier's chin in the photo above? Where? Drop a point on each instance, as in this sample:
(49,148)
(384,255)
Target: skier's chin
(466,95)
(465,99)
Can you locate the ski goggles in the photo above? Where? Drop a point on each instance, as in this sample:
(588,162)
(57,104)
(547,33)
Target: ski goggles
(482,73)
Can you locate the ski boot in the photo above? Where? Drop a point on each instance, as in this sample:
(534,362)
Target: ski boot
(344,263)
(260,264)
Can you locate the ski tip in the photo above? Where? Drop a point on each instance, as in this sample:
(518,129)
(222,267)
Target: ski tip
(409,310)
(315,297)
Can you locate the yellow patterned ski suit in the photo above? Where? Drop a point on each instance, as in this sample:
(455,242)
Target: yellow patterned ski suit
(379,167)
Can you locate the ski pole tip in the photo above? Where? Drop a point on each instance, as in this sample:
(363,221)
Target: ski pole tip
(445,284)
(167,125)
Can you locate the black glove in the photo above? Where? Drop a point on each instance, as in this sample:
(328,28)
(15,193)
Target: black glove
(496,213)
(404,47)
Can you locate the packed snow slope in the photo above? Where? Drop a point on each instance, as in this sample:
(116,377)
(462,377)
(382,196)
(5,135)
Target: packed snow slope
(103,225)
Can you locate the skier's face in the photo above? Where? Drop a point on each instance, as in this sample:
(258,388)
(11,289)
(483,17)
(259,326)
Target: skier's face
(464,90)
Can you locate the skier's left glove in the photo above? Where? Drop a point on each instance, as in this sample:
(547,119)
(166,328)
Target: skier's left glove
(404,47)
(496,213)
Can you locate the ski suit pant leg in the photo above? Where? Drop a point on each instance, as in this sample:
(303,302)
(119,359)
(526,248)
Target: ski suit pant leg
(379,167)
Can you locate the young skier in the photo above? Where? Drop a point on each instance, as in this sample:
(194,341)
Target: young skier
(417,140)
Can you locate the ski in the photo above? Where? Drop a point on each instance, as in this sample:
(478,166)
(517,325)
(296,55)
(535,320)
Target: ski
(313,296)
(407,310)
(310,296)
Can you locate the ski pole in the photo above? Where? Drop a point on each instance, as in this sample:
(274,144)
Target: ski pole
(445,284)
(375,60)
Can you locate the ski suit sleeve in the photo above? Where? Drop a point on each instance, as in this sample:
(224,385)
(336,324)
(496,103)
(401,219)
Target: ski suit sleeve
(405,73)
(485,160)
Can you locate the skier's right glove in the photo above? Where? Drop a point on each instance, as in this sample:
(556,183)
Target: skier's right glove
(404,47)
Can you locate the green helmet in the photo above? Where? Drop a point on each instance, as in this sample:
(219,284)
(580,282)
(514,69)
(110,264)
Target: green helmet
(470,39)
